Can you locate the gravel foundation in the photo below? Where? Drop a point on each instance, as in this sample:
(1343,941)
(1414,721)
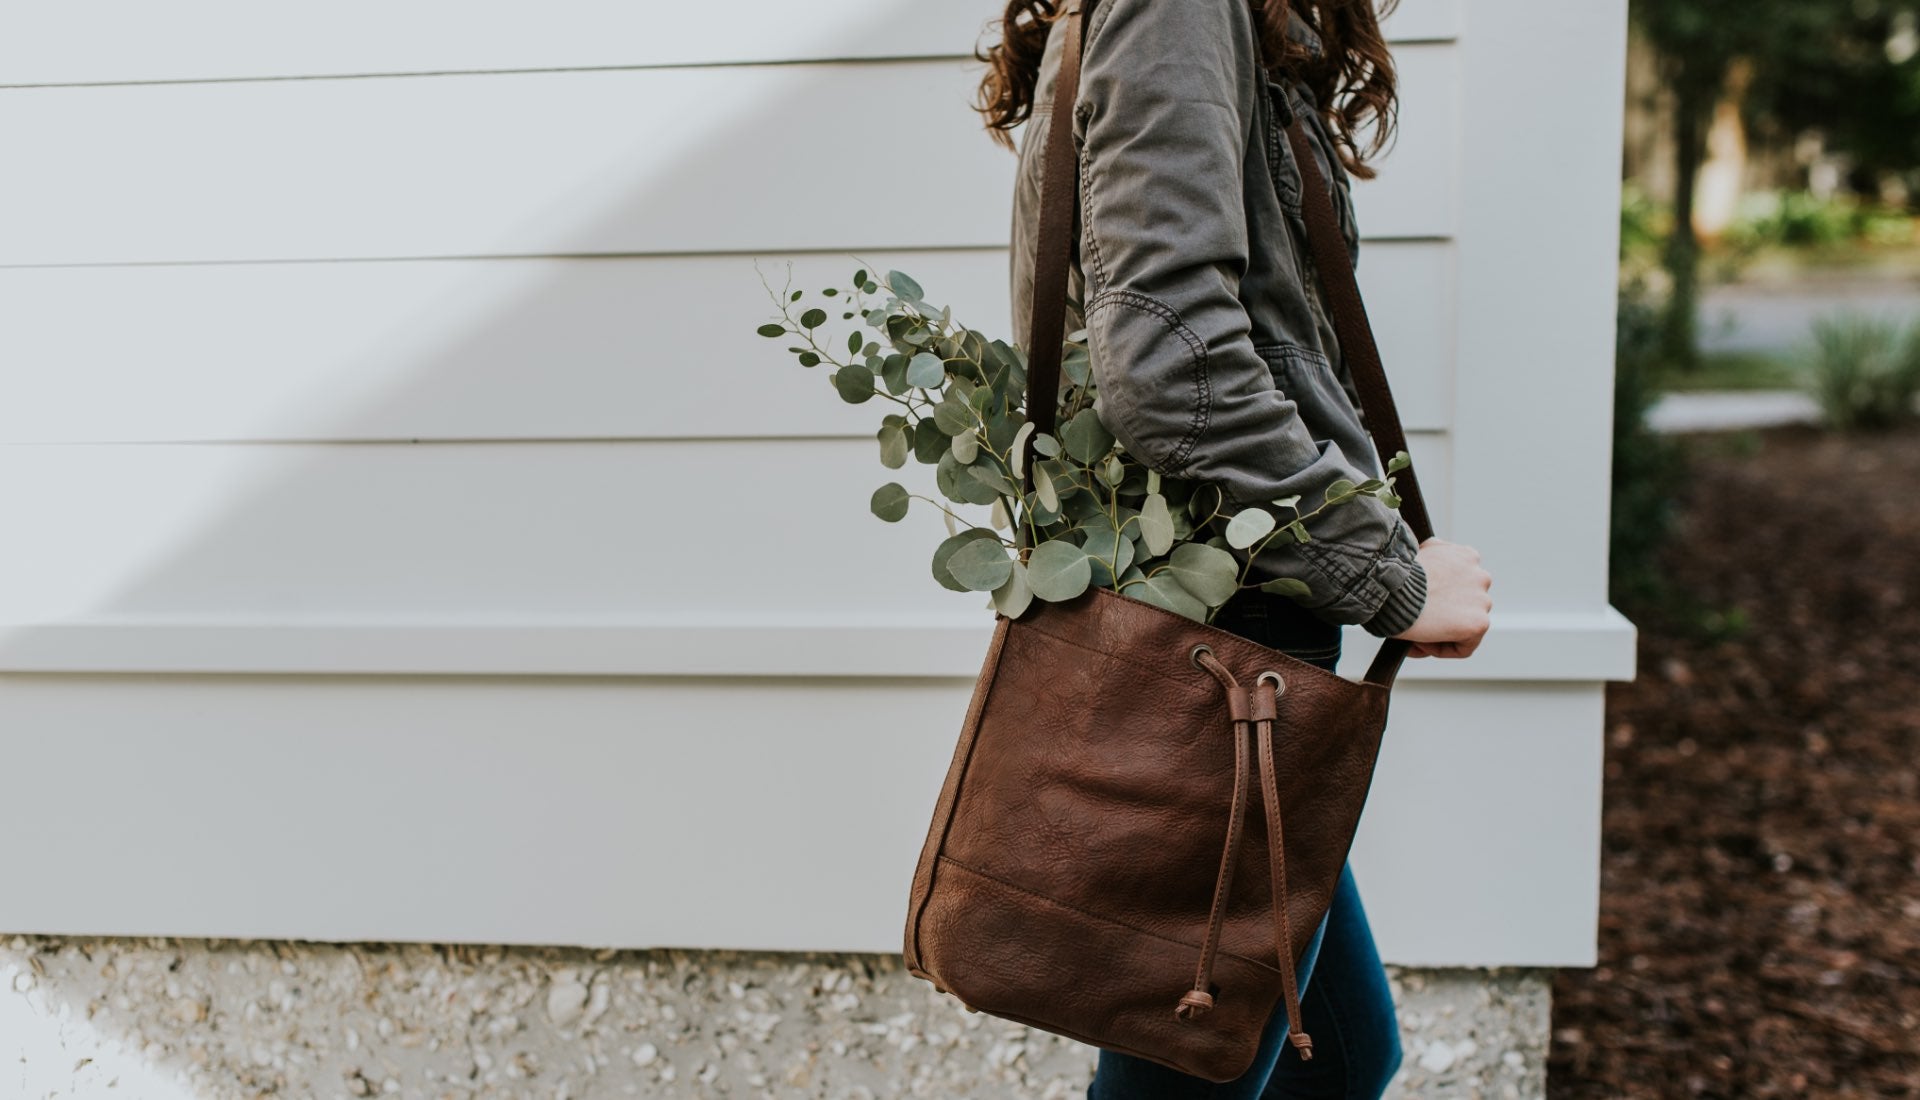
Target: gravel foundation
(162,1019)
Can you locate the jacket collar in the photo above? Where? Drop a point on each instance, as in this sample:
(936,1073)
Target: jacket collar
(1298,31)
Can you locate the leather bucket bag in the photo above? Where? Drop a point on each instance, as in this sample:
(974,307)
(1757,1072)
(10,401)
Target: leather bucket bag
(1094,867)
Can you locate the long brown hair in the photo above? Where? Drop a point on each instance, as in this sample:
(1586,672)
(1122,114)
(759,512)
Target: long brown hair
(1353,80)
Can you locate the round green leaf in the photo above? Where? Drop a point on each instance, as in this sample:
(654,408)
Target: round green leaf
(1156,525)
(890,501)
(809,359)
(966,447)
(953,416)
(1013,596)
(929,442)
(903,286)
(1058,570)
(854,382)
(926,370)
(893,446)
(1162,589)
(1340,487)
(1047,444)
(1248,526)
(1086,439)
(813,318)
(1208,572)
(944,552)
(772,330)
(981,565)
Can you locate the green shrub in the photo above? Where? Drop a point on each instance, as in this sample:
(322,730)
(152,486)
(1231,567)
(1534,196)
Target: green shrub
(1863,370)
(1648,468)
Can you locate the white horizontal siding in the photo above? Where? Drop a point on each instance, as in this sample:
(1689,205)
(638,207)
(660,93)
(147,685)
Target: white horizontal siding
(236,39)
(617,348)
(559,163)
(599,532)
(637,532)
(677,812)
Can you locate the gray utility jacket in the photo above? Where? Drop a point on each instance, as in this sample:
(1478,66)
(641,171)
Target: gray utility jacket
(1212,350)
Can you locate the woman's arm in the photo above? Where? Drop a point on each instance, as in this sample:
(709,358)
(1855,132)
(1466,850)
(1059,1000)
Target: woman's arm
(1167,92)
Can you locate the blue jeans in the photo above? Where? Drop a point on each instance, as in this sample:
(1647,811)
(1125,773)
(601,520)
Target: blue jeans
(1344,998)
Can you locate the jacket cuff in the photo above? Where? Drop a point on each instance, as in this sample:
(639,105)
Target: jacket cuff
(1402,605)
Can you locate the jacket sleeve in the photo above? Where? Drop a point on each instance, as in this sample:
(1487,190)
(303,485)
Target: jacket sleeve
(1164,243)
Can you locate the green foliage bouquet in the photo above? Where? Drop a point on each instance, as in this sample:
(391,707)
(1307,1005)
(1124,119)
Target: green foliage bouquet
(1090,515)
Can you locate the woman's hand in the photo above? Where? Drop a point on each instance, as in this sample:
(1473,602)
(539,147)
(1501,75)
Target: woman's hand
(1454,617)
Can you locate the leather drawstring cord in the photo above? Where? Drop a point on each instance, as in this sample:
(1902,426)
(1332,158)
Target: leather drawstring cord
(1259,711)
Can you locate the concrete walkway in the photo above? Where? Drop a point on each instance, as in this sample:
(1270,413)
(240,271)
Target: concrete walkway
(1726,410)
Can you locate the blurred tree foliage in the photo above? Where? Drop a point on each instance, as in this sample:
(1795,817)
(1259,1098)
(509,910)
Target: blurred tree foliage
(1845,67)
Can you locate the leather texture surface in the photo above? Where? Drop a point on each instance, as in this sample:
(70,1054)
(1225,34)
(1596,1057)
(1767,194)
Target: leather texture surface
(1070,866)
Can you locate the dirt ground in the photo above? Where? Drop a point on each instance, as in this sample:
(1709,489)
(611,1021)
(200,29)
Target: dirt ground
(1760,913)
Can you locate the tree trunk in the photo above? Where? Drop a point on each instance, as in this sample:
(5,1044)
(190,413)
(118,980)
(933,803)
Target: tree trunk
(1693,100)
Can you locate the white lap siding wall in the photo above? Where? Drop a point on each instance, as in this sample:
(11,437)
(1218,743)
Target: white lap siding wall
(399,496)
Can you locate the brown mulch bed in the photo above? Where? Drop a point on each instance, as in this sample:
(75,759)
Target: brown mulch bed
(1760,912)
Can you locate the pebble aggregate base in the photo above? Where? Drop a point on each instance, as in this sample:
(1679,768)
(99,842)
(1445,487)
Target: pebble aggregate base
(160,1019)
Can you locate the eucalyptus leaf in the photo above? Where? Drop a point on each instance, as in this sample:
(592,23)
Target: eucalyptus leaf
(1058,570)
(929,442)
(982,565)
(1390,498)
(903,286)
(949,546)
(1044,488)
(988,473)
(1086,439)
(953,416)
(854,382)
(1208,572)
(1248,526)
(1156,525)
(1287,586)
(1163,589)
(1018,454)
(1399,461)
(997,516)
(966,446)
(772,330)
(1047,444)
(1013,597)
(893,370)
(893,446)
(890,501)
(813,318)
(1110,553)
(926,370)
(1339,488)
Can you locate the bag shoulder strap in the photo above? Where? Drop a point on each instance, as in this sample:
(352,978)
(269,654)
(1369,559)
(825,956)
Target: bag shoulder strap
(1059,192)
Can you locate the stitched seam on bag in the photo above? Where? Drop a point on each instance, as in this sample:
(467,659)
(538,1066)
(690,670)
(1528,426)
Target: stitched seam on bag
(1102,918)
(1197,349)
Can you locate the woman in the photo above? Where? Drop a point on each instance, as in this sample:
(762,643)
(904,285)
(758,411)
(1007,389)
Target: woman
(1215,359)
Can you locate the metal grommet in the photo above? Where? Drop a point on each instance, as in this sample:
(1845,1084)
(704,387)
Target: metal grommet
(1193,656)
(1279,685)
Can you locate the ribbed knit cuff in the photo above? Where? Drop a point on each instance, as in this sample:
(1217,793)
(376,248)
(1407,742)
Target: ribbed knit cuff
(1402,605)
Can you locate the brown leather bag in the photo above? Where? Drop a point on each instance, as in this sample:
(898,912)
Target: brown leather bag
(1092,869)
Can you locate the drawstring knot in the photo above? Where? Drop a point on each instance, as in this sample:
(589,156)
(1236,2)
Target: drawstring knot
(1258,711)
